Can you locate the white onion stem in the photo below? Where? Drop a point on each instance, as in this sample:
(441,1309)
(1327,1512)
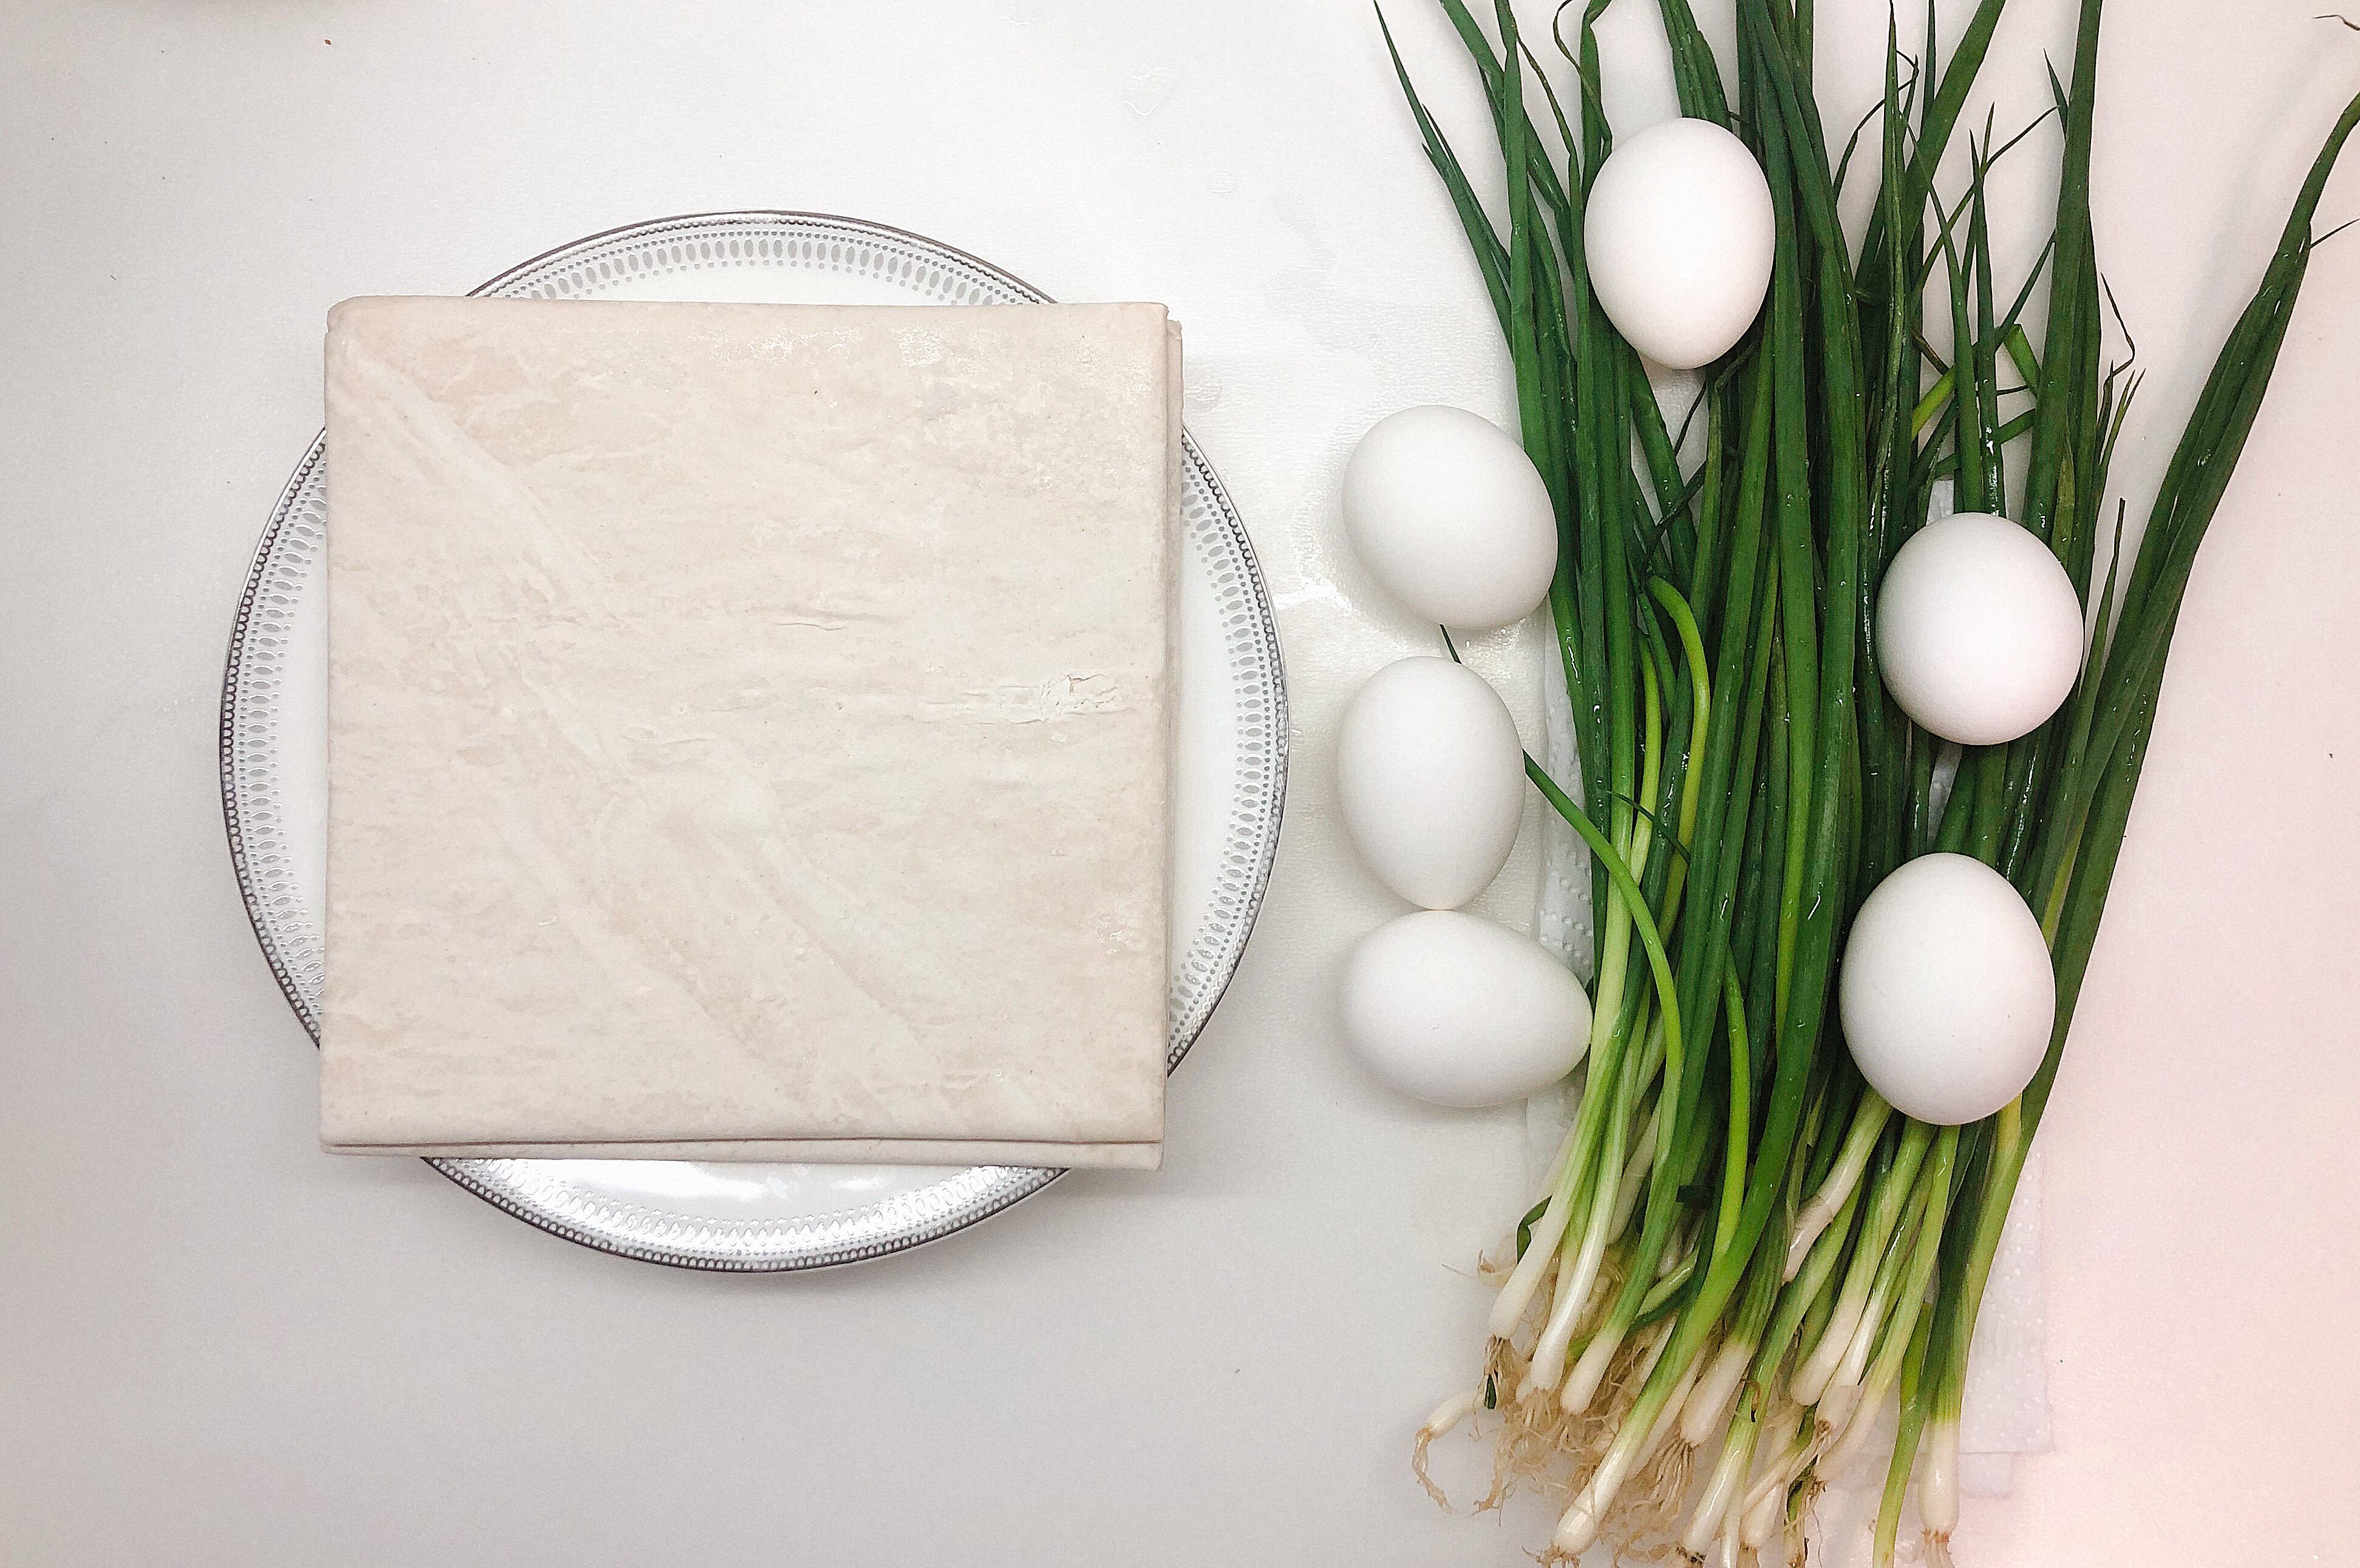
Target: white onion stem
(1835,1408)
(1810,1379)
(1905,1293)
(1766,1505)
(1710,1401)
(1597,1358)
(1898,1279)
(1578,1526)
(1854,1366)
(1634,1171)
(1764,1515)
(1592,1256)
(1508,1309)
(1451,1411)
(1874,1379)
(1937,1488)
(1676,1251)
(1726,1487)
(1516,1295)
(1847,1449)
(1590,1371)
(1667,1420)
(1547,1364)
(1577,1532)
(1867,1123)
(1574,1288)
(1883,1244)
(1655,1349)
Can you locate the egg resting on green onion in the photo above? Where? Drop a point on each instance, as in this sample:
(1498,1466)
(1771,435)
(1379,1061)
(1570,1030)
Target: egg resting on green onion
(1946,993)
(1678,234)
(1978,629)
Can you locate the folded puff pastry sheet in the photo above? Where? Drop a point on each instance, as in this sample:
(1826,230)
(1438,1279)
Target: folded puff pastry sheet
(749,730)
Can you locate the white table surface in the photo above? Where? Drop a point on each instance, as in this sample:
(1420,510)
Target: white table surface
(218,1346)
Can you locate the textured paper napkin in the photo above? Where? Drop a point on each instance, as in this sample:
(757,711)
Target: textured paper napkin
(749,730)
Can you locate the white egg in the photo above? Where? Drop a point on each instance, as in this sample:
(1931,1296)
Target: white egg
(1978,629)
(1451,517)
(1946,993)
(1679,235)
(1430,774)
(1455,1010)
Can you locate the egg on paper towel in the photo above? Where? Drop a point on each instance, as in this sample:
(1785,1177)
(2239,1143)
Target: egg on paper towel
(1455,1010)
(1451,517)
(1430,776)
(1679,234)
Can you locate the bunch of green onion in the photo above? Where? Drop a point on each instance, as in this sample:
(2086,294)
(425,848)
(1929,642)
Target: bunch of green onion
(1741,1253)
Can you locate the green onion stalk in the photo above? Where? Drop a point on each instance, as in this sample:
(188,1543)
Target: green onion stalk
(1741,1253)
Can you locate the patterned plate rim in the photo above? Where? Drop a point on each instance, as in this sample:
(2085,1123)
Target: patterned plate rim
(993,1187)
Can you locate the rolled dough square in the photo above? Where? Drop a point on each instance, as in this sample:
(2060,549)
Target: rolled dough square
(749,730)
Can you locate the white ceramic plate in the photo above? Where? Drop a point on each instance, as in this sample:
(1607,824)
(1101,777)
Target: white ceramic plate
(1230,783)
